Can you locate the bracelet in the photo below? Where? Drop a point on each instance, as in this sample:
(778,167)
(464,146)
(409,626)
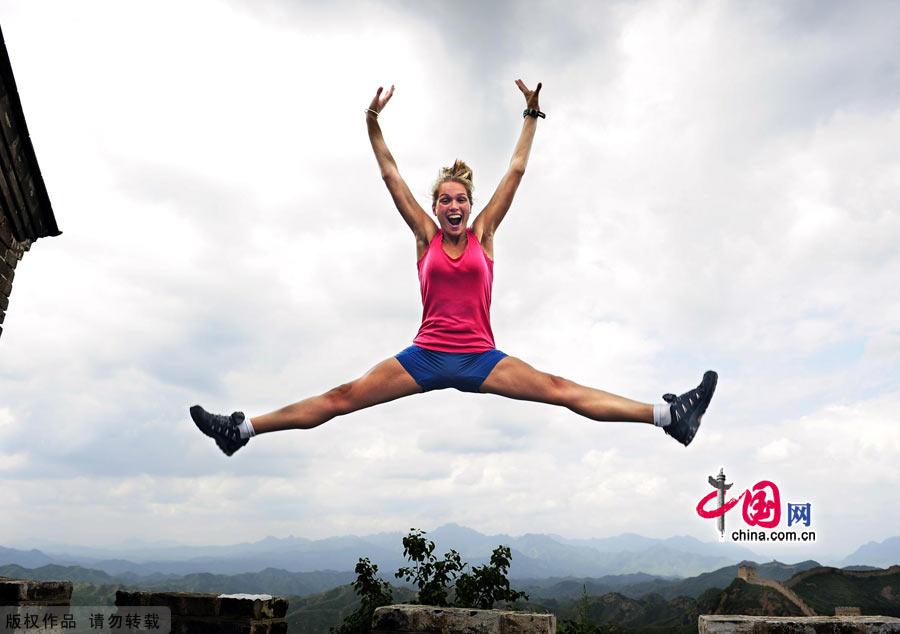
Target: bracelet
(375,112)
(534,112)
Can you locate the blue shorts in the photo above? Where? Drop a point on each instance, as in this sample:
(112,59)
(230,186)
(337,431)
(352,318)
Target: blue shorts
(433,370)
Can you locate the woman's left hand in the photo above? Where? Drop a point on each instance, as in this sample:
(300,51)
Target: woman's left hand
(531,96)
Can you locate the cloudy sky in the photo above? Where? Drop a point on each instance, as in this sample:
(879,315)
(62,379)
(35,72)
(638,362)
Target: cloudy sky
(716,185)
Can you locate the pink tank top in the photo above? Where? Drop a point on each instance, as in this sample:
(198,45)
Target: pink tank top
(456,298)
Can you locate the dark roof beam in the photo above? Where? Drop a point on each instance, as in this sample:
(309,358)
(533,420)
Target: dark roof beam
(15,172)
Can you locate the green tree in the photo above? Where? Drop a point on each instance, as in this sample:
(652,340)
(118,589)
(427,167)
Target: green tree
(373,593)
(435,579)
(487,584)
(480,588)
(432,576)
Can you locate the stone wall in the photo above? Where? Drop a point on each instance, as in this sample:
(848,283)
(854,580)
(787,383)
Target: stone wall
(23,604)
(844,610)
(34,593)
(812,572)
(415,619)
(733,624)
(191,613)
(194,613)
(748,574)
(11,252)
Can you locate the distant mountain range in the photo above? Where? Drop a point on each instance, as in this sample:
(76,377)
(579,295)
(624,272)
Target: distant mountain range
(640,585)
(535,556)
(302,584)
(880,554)
(268,581)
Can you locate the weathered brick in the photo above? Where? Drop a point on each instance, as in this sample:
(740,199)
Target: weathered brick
(28,592)
(414,619)
(10,592)
(209,613)
(7,271)
(9,255)
(253,609)
(736,624)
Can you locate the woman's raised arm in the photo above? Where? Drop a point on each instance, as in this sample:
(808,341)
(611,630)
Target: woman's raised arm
(421,224)
(492,215)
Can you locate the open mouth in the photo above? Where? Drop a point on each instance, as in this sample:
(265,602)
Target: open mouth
(454,219)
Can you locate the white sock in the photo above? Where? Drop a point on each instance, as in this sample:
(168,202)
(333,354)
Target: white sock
(662,414)
(246,428)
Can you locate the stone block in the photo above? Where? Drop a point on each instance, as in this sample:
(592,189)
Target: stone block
(195,613)
(414,619)
(274,608)
(9,255)
(7,268)
(846,611)
(739,624)
(29,592)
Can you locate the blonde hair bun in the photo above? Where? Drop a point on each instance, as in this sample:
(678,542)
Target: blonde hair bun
(460,173)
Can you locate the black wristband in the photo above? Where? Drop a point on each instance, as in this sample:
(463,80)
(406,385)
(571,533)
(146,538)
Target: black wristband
(534,112)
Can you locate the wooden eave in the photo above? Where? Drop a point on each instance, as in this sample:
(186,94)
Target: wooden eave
(23,196)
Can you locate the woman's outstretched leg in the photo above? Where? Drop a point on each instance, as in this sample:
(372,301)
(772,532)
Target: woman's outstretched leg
(514,378)
(385,382)
(680,416)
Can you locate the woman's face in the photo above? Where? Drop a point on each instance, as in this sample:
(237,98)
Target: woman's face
(452,208)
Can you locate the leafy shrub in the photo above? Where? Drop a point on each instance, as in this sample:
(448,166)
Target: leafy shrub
(487,584)
(373,593)
(435,579)
(432,576)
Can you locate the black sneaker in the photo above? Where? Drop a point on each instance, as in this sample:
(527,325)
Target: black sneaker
(223,429)
(688,409)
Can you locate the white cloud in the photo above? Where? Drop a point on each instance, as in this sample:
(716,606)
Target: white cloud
(6,419)
(777,450)
(12,461)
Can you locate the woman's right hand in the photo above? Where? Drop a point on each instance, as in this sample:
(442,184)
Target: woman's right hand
(379,102)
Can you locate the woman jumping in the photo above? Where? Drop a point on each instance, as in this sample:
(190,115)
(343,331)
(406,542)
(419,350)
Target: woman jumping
(455,344)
